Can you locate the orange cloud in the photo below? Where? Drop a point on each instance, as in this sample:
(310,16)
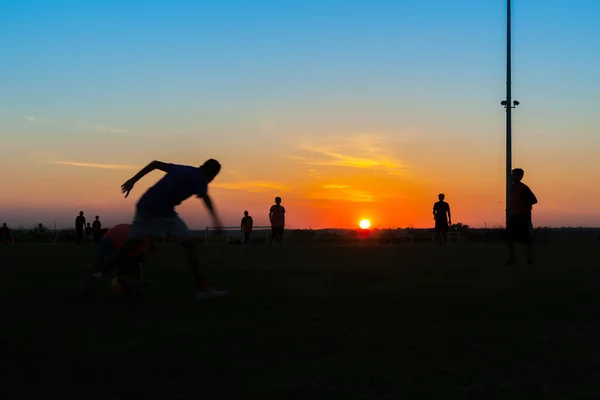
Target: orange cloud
(251,186)
(359,151)
(336,186)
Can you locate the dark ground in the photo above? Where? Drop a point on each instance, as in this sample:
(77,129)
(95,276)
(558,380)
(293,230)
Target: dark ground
(398,322)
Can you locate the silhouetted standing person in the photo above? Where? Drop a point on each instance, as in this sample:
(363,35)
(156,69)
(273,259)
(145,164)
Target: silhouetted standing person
(519,227)
(97,228)
(277,218)
(5,236)
(80,227)
(442,218)
(39,233)
(247,224)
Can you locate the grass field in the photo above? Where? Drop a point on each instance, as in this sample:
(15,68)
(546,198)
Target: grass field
(307,323)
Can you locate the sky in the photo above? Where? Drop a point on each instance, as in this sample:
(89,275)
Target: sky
(346,109)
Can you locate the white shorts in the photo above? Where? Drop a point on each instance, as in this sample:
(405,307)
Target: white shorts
(171,228)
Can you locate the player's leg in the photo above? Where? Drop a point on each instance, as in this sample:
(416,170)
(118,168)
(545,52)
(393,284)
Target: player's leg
(529,240)
(438,233)
(445,229)
(177,228)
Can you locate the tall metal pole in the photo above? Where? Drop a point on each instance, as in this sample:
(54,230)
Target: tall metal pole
(509,106)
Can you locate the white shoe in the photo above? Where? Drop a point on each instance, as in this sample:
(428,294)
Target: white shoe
(210,293)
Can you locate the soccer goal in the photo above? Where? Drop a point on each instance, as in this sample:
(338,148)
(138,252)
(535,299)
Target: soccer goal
(453,236)
(233,234)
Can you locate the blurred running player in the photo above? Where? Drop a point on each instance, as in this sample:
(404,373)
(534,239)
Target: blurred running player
(155,211)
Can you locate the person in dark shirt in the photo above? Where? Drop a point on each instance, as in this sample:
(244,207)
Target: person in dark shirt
(97,228)
(519,227)
(246,226)
(80,227)
(442,218)
(155,211)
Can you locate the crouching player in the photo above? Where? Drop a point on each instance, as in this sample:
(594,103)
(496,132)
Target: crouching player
(128,270)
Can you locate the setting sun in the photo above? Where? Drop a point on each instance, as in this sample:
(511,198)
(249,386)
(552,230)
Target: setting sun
(365,224)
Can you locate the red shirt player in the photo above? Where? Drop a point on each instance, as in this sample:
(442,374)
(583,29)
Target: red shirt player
(111,243)
(277,218)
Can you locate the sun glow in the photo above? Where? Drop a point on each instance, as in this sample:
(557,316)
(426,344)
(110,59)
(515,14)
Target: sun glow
(365,224)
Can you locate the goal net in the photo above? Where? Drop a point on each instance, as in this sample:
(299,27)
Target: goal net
(453,236)
(233,235)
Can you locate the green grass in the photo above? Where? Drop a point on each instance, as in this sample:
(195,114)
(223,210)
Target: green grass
(306,323)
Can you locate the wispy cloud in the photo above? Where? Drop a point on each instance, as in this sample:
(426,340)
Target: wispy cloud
(101,128)
(79,124)
(37,120)
(336,186)
(251,186)
(92,165)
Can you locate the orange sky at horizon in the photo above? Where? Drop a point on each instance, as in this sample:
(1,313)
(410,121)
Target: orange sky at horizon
(331,183)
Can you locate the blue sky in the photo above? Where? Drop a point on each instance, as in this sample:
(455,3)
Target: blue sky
(139,80)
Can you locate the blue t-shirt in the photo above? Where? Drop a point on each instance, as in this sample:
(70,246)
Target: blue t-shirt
(178,184)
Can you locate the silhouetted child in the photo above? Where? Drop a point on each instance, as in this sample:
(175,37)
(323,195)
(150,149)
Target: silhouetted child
(88,231)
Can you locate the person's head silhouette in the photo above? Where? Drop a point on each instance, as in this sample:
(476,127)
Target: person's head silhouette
(517,175)
(441,196)
(211,169)
(278,200)
(245,213)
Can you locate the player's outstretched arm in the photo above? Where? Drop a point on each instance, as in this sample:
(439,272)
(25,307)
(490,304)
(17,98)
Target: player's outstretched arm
(209,204)
(127,186)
